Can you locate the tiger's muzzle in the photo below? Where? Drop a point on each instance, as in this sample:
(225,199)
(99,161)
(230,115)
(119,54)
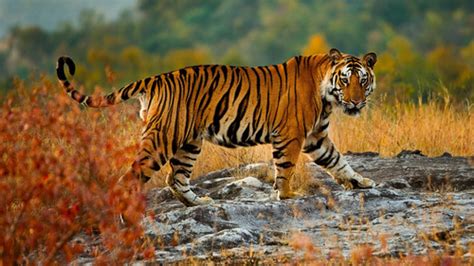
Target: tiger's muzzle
(353,107)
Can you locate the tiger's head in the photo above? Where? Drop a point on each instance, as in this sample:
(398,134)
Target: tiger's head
(350,81)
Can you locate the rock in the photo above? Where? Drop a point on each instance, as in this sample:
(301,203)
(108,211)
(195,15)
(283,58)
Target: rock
(399,183)
(419,205)
(446,154)
(364,154)
(421,173)
(242,189)
(410,154)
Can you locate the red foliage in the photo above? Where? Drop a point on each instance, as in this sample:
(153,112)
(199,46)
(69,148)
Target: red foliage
(58,171)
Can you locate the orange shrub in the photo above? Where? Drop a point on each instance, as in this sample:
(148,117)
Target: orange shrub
(58,172)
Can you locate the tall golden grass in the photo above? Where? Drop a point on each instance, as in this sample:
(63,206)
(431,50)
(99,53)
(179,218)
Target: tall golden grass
(434,128)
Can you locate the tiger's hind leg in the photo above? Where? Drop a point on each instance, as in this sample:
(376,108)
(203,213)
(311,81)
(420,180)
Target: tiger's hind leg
(150,159)
(182,164)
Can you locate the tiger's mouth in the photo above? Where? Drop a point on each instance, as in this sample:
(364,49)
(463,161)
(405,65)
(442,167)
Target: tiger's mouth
(351,111)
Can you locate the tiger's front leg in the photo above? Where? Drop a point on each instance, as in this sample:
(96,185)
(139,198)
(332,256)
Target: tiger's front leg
(323,152)
(285,157)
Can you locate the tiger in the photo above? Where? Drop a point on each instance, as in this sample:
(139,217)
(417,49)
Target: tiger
(287,105)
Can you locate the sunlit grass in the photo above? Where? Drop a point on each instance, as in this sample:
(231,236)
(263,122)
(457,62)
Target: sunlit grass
(433,128)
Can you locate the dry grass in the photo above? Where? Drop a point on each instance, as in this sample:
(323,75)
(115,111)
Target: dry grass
(433,128)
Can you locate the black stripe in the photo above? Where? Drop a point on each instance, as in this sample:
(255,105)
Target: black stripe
(245,135)
(239,84)
(208,96)
(163,159)
(173,116)
(136,87)
(312,147)
(154,143)
(285,165)
(258,135)
(257,109)
(340,168)
(234,126)
(184,172)
(298,59)
(146,81)
(124,92)
(175,161)
(179,182)
(221,108)
(60,69)
(155,166)
(277,154)
(279,93)
(71,65)
(188,157)
(324,127)
(191,148)
(331,165)
(324,160)
(111,98)
(321,156)
(285,70)
(144,178)
(81,97)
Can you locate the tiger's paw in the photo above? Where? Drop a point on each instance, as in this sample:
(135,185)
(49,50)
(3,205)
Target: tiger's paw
(274,195)
(356,182)
(203,201)
(366,183)
(190,199)
(278,195)
(345,183)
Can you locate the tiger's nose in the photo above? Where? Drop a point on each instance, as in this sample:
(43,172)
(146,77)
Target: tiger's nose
(356,102)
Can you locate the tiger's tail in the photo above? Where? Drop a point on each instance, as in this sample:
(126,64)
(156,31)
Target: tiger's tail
(130,91)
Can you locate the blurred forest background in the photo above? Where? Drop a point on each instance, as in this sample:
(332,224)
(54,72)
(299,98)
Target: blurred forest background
(425,48)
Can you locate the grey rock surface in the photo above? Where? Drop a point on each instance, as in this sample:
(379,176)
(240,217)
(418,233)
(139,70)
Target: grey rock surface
(420,204)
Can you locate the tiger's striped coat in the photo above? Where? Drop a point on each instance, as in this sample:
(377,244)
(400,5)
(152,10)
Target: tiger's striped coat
(286,105)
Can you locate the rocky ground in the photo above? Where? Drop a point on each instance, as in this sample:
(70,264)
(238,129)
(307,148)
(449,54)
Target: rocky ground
(420,204)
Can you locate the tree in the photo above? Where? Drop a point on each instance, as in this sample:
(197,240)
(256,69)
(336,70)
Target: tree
(317,45)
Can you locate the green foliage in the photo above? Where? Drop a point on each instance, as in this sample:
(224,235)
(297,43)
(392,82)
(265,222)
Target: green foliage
(425,47)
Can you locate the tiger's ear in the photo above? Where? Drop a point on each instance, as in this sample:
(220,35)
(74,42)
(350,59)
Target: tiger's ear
(335,55)
(370,59)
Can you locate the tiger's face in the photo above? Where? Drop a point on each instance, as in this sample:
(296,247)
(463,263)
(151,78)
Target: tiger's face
(350,81)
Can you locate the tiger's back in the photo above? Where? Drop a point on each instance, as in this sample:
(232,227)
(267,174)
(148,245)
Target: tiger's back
(233,106)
